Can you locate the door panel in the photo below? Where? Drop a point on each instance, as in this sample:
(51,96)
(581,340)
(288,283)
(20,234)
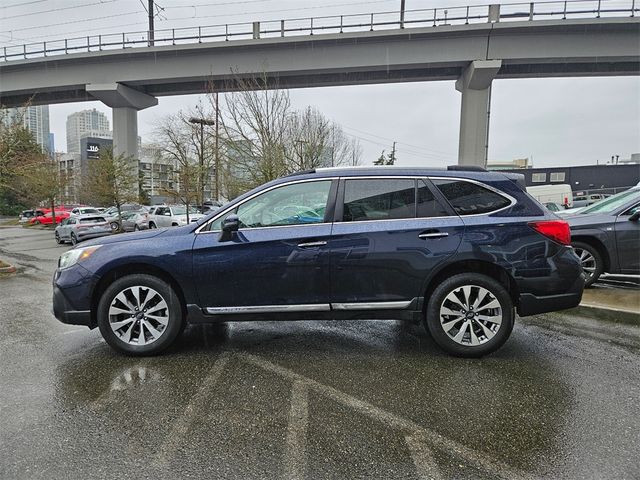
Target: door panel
(628,244)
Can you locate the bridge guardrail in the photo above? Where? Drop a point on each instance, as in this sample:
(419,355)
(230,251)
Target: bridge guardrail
(377,21)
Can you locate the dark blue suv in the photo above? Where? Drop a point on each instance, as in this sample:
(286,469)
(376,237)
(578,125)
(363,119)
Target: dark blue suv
(458,249)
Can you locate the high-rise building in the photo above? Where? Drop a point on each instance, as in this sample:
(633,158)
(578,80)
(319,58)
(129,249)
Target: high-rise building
(87,123)
(36,119)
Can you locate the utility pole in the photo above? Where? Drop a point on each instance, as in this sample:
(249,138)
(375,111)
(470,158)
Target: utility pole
(151,32)
(217,153)
(402,13)
(393,154)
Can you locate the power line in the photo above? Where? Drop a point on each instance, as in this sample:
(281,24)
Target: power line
(84,20)
(22,4)
(60,9)
(419,147)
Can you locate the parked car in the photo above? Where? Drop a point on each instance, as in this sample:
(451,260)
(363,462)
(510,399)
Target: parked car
(77,228)
(172,216)
(555,193)
(586,200)
(84,211)
(606,236)
(111,214)
(460,250)
(134,221)
(554,207)
(47,218)
(27,215)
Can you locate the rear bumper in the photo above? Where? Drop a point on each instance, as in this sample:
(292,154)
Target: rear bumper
(530,304)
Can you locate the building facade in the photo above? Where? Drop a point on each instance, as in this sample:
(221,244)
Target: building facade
(86,123)
(158,173)
(36,119)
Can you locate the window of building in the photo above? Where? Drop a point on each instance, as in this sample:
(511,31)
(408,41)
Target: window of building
(379,199)
(556,176)
(468,198)
(538,177)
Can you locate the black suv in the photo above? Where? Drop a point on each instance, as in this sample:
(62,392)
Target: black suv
(458,249)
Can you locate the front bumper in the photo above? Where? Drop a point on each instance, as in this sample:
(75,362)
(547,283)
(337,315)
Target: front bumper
(63,310)
(72,289)
(530,304)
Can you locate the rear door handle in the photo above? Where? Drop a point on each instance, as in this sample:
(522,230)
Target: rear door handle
(312,244)
(433,235)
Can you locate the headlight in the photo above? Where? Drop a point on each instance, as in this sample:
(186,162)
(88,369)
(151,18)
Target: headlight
(76,255)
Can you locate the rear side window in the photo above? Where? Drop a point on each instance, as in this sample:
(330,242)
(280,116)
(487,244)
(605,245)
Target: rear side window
(428,205)
(468,198)
(379,199)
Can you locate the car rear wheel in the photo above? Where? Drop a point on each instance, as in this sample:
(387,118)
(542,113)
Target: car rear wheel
(470,315)
(140,315)
(114,226)
(591,261)
(74,239)
(136,228)
(152,225)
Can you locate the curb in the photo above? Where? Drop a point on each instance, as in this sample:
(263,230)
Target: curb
(608,314)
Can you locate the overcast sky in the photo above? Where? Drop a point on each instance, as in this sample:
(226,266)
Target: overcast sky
(559,121)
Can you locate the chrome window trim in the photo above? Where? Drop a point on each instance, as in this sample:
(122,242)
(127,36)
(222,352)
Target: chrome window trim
(512,201)
(313,307)
(221,214)
(395,305)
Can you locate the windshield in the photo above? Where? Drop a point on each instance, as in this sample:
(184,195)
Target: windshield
(612,203)
(183,210)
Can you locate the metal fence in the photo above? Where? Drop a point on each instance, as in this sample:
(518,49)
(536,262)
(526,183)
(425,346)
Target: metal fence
(336,24)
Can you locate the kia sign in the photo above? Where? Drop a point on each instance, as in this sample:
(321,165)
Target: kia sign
(93,151)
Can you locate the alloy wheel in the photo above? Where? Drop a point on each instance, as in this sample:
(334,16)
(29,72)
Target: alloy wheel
(138,315)
(587,260)
(470,315)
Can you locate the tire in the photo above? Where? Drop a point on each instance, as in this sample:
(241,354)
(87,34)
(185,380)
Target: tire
(461,293)
(114,226)
(58,240)
(152,225)
(591,260)
(136,228)
(130,331)
(74,239)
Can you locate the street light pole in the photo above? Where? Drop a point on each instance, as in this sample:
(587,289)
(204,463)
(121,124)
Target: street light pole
(202,122)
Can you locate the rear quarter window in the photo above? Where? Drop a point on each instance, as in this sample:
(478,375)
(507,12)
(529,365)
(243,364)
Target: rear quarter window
(469,198)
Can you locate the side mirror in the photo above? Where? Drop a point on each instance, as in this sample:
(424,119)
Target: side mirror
(635,216)
(229,225)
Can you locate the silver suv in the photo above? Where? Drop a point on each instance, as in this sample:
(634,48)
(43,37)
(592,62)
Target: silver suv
(172,216)
(81,227)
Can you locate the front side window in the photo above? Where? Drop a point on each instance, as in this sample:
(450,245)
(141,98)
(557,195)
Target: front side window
(468,198)
(379,199)
(297,204)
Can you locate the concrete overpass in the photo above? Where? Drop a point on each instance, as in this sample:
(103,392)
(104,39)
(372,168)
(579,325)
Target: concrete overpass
(474,54)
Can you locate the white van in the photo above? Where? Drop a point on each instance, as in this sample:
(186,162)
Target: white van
(560,194)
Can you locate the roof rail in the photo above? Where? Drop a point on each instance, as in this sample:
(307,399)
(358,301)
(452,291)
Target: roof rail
(301,172)
(466,168)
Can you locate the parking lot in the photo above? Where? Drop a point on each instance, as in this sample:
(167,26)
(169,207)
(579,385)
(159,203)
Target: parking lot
(358,399)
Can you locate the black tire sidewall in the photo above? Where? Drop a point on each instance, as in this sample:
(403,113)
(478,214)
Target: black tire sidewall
(433,314)
(176,317)
(74,240)
(598,258)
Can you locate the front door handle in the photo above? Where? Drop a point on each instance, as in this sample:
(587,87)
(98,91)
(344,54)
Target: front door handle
(312,244)
(433,235)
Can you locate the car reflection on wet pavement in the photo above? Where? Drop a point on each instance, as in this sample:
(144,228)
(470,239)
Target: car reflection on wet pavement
(353,399)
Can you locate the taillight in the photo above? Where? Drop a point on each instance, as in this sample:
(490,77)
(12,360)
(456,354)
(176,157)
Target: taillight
(556,230)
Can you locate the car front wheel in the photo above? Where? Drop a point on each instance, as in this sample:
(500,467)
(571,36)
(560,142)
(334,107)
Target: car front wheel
(470,315)
(58,240)
(140,315)
(74,239)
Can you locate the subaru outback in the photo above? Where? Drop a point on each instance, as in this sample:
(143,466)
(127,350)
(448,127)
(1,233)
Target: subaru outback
(460,250)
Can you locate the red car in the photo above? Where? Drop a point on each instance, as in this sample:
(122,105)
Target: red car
(47,220)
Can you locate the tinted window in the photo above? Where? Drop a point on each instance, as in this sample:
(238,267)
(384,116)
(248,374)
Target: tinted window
(428,205)
(468,198)
(297,204)
(93,220)
(379,199)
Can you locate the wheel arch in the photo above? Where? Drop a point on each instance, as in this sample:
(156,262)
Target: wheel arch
(483,267)
(131,269)
(596,243)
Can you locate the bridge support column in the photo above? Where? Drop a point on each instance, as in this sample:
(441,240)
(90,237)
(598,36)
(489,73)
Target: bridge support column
(475,86)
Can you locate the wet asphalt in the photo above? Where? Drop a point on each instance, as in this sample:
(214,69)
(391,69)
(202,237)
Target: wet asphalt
(333,400)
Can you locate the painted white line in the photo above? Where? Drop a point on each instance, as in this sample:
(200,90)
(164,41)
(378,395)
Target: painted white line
(296,448)
(74,331)
(494,467)
(423,458)
(194,407)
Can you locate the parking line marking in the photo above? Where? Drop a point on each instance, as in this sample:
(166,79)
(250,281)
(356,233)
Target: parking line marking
(196,405)
(423,458)
(296,453)
(495,467)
